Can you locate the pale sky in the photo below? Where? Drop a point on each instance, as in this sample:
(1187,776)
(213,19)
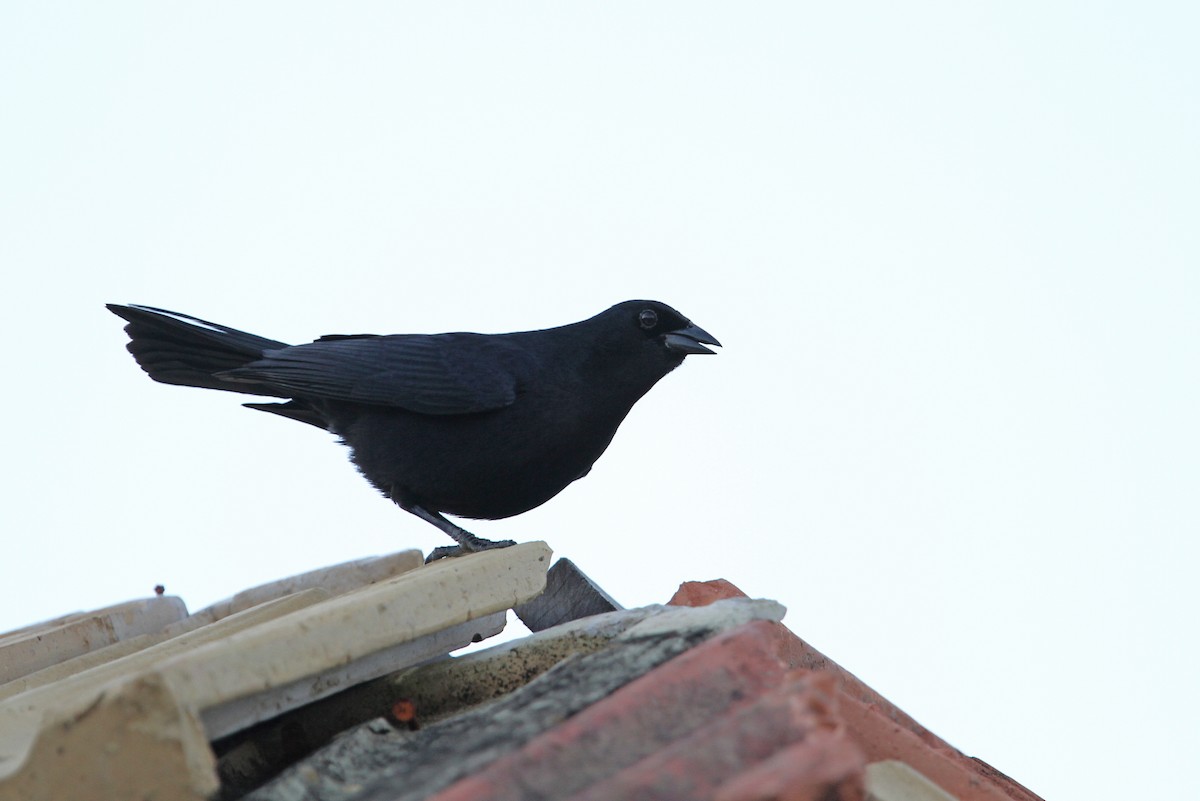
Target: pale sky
(951,250)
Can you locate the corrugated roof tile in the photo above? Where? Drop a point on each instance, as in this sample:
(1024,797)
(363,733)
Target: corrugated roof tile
(801,708)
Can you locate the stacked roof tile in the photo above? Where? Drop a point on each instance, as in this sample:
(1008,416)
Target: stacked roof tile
(337,685)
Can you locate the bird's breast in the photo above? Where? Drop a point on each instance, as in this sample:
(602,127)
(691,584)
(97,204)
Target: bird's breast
(486,465)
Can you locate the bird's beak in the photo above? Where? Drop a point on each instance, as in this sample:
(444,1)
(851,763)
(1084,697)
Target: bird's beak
(691,340)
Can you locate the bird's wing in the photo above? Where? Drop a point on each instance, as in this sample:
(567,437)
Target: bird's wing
(429,374)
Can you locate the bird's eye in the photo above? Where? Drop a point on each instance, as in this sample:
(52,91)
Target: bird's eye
(648,319)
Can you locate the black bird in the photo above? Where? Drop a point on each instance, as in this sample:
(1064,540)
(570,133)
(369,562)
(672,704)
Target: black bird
(473,425)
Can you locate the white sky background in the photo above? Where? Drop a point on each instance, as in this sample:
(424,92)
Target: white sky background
(951,250)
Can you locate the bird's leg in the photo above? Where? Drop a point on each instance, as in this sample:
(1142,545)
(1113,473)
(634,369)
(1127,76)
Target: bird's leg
(467,542)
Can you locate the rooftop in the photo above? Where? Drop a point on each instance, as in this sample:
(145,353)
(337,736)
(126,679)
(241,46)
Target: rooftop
(340,684)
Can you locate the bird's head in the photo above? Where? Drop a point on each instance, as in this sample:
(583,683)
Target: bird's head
(656,328)
(634,344)
(678,334)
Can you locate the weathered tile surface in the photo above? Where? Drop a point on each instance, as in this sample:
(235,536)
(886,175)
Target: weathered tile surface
(377,762)
(682,696)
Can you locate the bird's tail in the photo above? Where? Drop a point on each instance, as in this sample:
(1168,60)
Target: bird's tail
(178,349)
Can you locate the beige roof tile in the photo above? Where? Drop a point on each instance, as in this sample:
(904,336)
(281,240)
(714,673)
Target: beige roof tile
(158,703)
(140,653)
(24,652)
(335,579)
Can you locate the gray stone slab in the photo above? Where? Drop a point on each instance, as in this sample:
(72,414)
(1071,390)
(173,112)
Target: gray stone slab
(569,595)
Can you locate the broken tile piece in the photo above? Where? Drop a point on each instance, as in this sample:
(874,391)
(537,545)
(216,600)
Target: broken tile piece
(132,742)
(703,593)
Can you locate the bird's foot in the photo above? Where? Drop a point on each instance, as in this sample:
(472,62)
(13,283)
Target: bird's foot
(467,542)
(477,544)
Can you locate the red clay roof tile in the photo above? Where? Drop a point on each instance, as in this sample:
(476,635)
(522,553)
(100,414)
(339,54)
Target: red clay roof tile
(695,766)
(825,766)
(751,714)
(682,695)
(703,593)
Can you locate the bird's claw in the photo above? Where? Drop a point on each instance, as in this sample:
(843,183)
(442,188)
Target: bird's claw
(477,544)
(443,552)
